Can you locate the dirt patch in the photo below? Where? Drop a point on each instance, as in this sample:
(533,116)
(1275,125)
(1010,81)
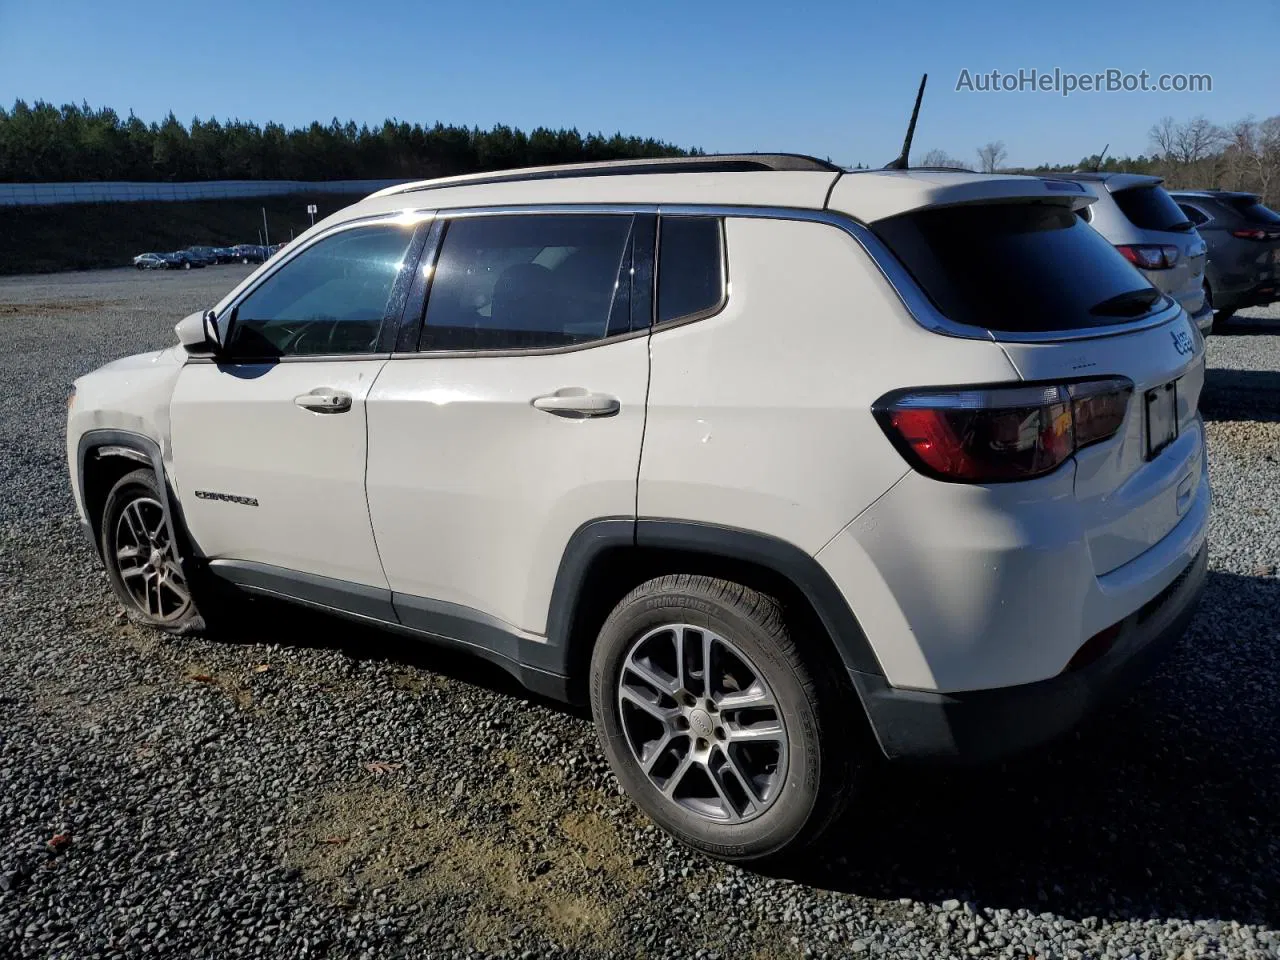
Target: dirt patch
(54,308)
(532,853)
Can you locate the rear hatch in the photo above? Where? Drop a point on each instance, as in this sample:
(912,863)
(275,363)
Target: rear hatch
(1163,225)
(1261,230)
(1066,306)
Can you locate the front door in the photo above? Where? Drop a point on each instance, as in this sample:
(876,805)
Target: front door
(269,442)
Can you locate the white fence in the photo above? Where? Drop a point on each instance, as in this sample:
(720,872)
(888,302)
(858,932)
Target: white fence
(44,194)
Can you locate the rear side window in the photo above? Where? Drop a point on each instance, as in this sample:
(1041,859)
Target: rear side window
(329,299)
(1252,210)
(1193,214)
(1017,267)
(690,267)
(530,281)
(1151,208)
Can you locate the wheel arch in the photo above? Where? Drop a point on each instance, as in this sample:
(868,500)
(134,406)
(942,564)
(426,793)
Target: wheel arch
(605,559)
(103,456)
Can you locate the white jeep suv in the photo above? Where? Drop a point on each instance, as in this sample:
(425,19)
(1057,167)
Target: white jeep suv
(755,454)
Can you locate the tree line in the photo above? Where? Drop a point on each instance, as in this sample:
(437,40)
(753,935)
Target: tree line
(1190,154)
(44,143)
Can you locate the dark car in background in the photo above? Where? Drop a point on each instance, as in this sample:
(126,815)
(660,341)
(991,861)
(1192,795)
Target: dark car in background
(248,253)
(1244,248)
(224,255)
(201,256)
(181,260)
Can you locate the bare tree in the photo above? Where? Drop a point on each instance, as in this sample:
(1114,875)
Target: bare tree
(1163,137)
(940,158)
(991,156)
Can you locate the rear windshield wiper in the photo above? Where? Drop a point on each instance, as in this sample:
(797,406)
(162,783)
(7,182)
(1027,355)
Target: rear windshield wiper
(1182,226)
(1131,303)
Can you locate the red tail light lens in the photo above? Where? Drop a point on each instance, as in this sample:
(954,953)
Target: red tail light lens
(1001,434)
(1150,256)
(1250,233)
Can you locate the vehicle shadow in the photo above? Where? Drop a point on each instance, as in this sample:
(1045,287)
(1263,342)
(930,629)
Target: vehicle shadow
(1239,326)
(264,620)
(1241,395)
(1169,806)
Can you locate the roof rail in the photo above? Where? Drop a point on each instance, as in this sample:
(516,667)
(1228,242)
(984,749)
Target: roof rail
(713,163)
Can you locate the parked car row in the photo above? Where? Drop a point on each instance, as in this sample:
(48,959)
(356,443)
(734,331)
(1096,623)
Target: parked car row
(207,256)
(1214,251)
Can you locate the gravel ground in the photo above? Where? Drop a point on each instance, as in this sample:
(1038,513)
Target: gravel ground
(312,789)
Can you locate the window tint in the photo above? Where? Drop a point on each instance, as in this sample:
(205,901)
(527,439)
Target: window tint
(690,266)
(329,299)
(528,281)
(1151,208)
(1193,214)
(1017,267)
(1252,210)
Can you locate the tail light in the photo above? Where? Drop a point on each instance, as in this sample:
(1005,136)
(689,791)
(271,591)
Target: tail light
(1150,256)
(1255,233)
(1001,434)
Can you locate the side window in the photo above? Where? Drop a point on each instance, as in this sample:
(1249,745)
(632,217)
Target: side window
(530,280)
(690,267)
(329,299)
(1193,214)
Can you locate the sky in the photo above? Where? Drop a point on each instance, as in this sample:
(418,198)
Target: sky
(830,79)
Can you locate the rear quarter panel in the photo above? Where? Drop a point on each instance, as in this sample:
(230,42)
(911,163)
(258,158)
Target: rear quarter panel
(760,417)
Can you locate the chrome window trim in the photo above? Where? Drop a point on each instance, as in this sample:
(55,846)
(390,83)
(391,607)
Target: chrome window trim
(917,305)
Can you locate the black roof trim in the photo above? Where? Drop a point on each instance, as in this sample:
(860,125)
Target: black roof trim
(712,163)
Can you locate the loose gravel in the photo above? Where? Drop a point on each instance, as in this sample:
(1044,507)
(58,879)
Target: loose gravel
(312,789)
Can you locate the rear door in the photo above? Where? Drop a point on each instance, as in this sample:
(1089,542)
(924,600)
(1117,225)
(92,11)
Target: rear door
(269,443)
(513,415)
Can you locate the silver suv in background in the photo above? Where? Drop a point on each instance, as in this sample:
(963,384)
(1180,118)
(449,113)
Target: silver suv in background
(1142,221)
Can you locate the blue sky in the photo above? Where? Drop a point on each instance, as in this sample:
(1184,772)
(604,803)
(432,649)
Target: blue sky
(833,79)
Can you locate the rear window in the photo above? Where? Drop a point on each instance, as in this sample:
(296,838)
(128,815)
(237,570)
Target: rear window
(1150,208)
(1017,268)
(1252,210)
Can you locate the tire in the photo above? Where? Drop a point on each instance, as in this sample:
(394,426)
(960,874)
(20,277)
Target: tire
(244,259)
(186,265)
(795,783)
(1220,320)
(133,519)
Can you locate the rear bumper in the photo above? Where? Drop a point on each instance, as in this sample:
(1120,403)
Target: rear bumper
(984,725)
(1203,319)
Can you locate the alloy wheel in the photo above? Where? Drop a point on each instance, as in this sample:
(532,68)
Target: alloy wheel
(702,723)
(146,561)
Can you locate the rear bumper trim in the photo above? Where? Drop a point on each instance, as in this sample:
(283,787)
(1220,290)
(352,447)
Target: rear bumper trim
(985,725)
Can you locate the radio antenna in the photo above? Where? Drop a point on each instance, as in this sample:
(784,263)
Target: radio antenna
(901,162)
(1098,164)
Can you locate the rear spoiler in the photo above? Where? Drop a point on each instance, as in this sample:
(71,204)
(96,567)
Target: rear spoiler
(877,195)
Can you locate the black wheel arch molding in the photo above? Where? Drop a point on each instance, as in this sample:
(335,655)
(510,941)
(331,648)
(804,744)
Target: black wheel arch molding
(118,442)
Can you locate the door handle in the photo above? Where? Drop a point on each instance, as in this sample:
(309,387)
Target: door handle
(324,400)
(577,402)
